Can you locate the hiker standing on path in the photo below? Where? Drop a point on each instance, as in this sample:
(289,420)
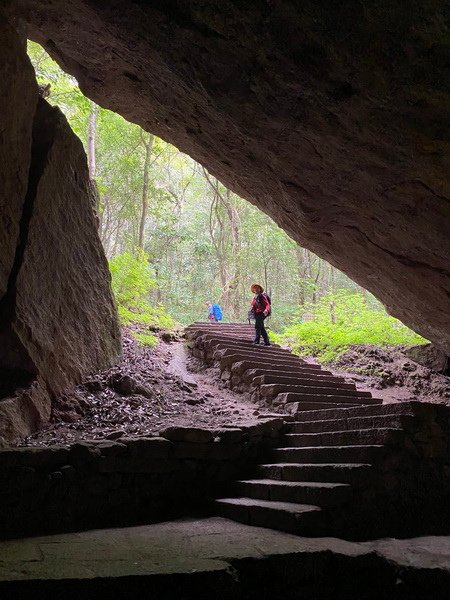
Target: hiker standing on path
(214,312)
(261,309)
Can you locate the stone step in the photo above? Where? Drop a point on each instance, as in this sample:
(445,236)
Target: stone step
(265,363)
(396,421)
(211,342)
(328,454)
(257,350)
(265,353)
(230,356)
(305,492)
(288,398)
(212,345)
(245,365)
(271,390)
(301,519)
(203,325)
(353,473)
(214,329)
(203,337)
(244,334)
(315,403)
(303,380)
(250,374)
(347,437)
(400,408)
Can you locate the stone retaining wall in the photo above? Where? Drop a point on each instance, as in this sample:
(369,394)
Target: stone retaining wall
(127,481)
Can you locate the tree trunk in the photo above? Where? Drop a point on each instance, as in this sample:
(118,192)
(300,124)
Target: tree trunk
(92,141)
(148,144)
(332,290)
(301,270)
(92,160)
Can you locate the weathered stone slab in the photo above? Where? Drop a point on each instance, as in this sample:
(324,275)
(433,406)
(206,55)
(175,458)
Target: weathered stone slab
(187,434)
(225,450)
(148,447)
(229,436)
(46,458)
(112,448)
(136,464)
(196,450)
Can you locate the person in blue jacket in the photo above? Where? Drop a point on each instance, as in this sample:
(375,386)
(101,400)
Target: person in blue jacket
(214,312)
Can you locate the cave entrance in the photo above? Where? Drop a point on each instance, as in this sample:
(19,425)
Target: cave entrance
(176,237)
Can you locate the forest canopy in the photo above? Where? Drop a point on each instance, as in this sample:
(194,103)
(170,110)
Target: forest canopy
(176,238)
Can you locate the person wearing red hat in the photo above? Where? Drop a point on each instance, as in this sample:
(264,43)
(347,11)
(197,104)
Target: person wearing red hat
(260,307)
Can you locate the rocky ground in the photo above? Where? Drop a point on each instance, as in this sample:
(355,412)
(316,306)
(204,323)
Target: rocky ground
(151,389)
(390,374)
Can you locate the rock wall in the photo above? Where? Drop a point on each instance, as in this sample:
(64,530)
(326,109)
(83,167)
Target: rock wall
(127,481)
(57,316)
(17,106)
(332,117)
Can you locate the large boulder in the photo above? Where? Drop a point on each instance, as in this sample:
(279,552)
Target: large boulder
(17,107)
(58,320)
(332,117)
(65,315)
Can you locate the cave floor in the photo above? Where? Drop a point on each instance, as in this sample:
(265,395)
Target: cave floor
(194,557)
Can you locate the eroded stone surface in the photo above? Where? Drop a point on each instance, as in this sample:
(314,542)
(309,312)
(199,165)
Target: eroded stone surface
(17,106)
(58,321)
(64,272)
(222,559)
(331,117)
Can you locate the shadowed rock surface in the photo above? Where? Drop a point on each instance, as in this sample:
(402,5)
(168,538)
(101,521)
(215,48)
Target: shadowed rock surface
(17,106)
(57,317)
(331,117)
(216,558)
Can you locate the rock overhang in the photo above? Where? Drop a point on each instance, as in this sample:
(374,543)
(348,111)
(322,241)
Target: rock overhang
(333,119)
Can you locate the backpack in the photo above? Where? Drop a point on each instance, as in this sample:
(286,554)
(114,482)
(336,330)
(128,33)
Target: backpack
(217,311)
(259,302)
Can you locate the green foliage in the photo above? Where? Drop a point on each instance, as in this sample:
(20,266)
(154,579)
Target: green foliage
(355,322)
(132,280)
(146,339)
(64,90)
(203,242)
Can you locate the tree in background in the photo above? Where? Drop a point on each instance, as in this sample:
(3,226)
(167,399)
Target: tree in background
(177,237)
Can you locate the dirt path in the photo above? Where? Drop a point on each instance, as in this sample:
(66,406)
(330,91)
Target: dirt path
(149,390)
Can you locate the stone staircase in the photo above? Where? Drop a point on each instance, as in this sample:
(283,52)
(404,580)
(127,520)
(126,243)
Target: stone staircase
(355,473)
(271,375)
(346,465)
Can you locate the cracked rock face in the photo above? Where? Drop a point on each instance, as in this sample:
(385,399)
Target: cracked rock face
(17,106)
(331,117)
(58,321)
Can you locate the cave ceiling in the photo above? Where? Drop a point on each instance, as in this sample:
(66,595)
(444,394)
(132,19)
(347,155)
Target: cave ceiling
(332,117)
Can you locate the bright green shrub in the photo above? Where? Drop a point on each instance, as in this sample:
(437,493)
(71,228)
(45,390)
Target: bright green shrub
(355,322)
(146,339)
(132,280)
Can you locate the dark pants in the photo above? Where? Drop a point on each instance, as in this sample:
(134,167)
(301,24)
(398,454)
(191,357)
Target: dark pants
(260,329)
